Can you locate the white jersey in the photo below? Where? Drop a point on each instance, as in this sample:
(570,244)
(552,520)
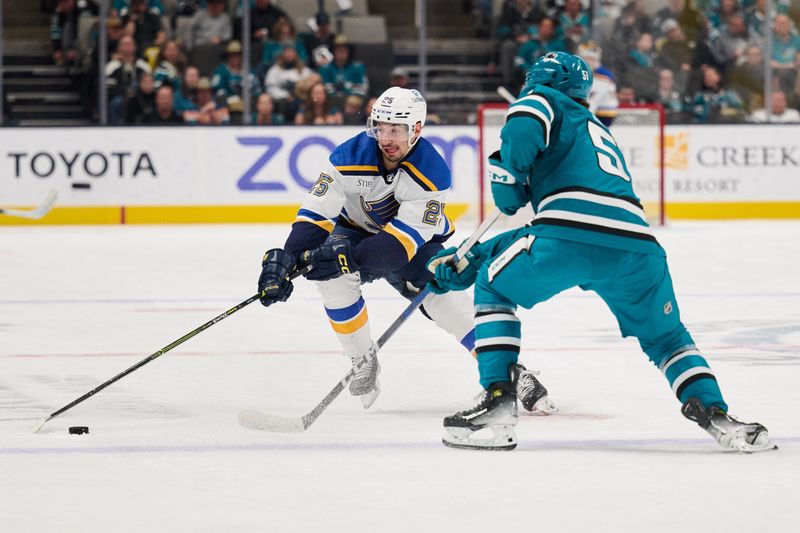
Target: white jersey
(602,98)
(355,190)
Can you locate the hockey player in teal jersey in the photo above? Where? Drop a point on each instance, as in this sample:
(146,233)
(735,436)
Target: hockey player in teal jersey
(590,231)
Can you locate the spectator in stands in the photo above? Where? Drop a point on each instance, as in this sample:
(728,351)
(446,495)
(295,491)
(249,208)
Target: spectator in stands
(122,77)
(672,11)
(785,48)
(674,52)
(671,98)
(318,108)
(517,20)
(204,108)
(747,79)
(632,22)
(121,8)
(283,31)
(343,76)
(64,30)
(147,25)
(603,95)
(574,25)
(734,40)
(721,16)
(146,29)
(639,68)
(353,111)
(780,111)
(756,16)
(265,114)
(164,112)
(626,95)
(713,102)
(229,78)
(281,79)
(186,97)
(143,102)
(170,63)
(528,53)
(263,16)
(212,25)
(399,78)
(322,37)
(368,106)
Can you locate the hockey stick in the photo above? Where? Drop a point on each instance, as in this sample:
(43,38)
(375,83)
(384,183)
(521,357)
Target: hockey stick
(267,422)
(36,213)
(506,94)
(159,353)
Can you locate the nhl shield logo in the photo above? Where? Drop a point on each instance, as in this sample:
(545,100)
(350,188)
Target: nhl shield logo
(668,308)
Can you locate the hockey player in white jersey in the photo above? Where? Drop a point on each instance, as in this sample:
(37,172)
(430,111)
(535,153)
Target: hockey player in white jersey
(602,99)
(377,211)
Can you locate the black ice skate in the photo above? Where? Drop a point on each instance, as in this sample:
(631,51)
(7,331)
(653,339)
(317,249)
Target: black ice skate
(496,410)
(365,382)
(531,393)
(729,432)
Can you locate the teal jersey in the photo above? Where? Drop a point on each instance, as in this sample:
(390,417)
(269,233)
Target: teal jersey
(580,186)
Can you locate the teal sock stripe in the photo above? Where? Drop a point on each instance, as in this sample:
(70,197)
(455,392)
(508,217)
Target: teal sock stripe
(497,344)
(690,376)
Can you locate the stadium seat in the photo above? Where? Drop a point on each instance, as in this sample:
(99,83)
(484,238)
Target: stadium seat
(368,30)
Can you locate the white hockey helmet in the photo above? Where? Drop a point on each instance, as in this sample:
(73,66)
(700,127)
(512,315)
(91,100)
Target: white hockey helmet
(398,106)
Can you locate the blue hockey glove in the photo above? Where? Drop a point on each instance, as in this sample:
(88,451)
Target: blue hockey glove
(454,277)
(508,192)
(273,284)
(330,260)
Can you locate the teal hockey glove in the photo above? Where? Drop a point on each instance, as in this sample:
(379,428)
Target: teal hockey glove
(454,277)
(508,192)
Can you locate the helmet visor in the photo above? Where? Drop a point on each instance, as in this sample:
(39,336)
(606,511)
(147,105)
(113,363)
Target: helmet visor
(387,131)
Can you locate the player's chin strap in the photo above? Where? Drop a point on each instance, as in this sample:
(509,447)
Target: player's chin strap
(267,422)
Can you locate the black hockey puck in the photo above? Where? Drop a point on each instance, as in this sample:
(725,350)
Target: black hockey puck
(78,430)
(79,185)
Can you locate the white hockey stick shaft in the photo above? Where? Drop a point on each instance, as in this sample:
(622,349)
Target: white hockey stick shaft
(36,213)
(268,422)
(506,94)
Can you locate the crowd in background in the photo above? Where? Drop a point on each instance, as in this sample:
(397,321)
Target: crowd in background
(702,59)
(199,78)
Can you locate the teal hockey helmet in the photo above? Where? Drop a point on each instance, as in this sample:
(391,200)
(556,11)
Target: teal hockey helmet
(563,72)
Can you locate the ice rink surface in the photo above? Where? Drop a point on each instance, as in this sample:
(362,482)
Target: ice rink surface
(166,454)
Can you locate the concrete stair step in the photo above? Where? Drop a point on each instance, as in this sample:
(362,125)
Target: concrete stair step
(48,97)
(39,111)
(37,122)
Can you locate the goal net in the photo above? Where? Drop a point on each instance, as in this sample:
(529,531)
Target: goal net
(639,132)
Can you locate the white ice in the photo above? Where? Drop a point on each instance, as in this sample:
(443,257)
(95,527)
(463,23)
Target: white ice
(165,453)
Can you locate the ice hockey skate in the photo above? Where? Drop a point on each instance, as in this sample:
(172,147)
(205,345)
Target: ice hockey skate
(532,394)
(365,382)
(729,432)
(495,411)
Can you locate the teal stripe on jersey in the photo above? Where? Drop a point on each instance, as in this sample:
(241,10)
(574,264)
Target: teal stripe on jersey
(680,367)
(497,344)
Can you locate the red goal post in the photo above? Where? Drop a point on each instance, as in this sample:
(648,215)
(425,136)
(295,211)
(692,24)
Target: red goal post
(639,132)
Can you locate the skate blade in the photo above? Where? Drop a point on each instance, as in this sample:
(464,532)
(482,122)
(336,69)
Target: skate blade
(369,398)
(504,439)
(544,407)
(761,444)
